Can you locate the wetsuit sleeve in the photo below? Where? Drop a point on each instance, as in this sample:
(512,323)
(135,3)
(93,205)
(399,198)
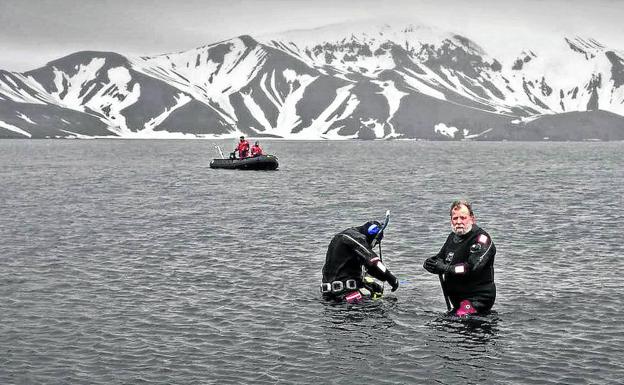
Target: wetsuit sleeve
(481,253)
(372,262)
(363,252)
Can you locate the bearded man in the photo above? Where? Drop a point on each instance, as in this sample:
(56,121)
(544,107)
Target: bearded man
(465,264)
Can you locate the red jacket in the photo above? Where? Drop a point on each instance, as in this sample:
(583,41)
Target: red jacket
(256,150)
(242,148)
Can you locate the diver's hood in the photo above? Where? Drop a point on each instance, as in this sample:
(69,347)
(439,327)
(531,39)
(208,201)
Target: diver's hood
(372,230)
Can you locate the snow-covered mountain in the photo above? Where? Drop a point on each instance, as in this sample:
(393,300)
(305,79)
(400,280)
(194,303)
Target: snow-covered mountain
(337,82)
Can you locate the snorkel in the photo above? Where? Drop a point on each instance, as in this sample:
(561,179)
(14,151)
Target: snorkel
(376,240)
(379,232)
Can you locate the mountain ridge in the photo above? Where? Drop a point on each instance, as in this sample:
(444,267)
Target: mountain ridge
(381,83)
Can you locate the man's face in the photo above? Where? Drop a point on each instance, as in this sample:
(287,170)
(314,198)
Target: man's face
(461,220)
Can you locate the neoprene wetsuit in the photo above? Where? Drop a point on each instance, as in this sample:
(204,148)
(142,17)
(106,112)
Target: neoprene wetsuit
(349,251)
(477,250)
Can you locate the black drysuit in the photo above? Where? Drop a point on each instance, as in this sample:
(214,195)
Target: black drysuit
(349,251)
(477,250)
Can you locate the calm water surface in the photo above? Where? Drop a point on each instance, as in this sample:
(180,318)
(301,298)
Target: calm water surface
(132,262)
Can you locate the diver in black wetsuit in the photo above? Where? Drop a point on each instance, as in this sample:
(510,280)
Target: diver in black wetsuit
(466,263)
(349,255)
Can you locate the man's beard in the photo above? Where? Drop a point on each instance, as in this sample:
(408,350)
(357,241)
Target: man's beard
(461,230)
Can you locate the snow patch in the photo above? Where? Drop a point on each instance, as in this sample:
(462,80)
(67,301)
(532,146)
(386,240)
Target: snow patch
(445,130)
(525,119)
(468,135)
(288,117)
(413,80)
(119,75)
(320,126)
(150,134)
(377,127)
(392,95)
(13,128)
(13,92)
(24,117)
(75,84)
(181,99)
(120,79)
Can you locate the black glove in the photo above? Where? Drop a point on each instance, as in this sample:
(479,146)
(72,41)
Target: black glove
(392,280)
(436,266)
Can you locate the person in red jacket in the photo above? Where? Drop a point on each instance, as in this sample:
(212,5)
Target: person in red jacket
(242,148)
(256,150)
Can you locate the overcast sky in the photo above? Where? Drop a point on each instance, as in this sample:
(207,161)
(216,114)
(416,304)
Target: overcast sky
(33,32)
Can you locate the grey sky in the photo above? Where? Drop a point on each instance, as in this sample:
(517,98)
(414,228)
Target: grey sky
(33,32)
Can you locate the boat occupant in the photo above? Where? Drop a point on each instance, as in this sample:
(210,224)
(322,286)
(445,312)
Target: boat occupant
(466,263)
(256,150)
(242,147)
(349,251)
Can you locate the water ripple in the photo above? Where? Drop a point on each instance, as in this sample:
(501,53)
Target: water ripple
(132,262)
